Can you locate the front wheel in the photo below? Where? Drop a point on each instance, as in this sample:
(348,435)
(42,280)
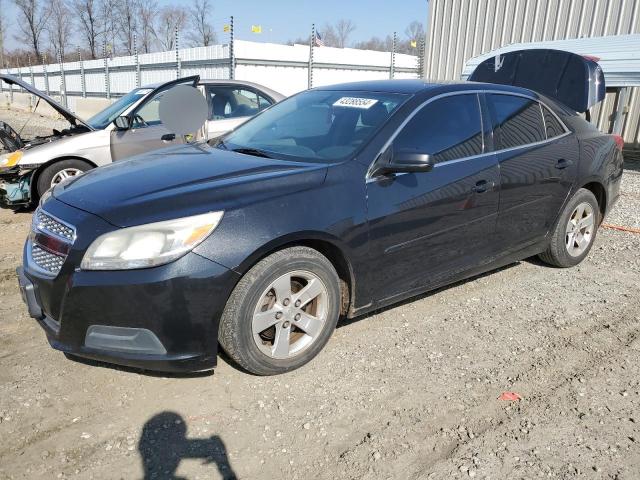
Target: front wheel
(575,232)
(282,312)
(59,172)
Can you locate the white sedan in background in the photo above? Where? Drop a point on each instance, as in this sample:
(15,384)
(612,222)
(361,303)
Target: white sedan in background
(129,126)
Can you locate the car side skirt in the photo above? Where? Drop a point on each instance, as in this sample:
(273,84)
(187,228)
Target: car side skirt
(510,258)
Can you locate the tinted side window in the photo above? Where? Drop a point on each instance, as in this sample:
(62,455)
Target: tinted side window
(518,120)
(554,127)
(448,128)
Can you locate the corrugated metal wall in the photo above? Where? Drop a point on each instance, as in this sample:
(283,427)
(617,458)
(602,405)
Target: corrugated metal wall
(461,29)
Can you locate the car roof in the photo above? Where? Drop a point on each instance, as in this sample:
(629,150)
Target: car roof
(414,86)
(203,81)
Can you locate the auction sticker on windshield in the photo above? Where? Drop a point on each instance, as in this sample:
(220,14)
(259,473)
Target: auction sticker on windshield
(355,102)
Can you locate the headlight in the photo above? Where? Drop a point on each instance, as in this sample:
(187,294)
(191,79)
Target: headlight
(10,159)
(149,245)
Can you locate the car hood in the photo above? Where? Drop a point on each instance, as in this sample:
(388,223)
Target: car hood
(182,181)
(71,117)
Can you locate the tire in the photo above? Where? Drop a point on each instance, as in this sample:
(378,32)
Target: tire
(46,178)
(566,248)
(260,299)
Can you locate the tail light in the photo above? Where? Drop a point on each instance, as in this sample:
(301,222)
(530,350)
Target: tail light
(619,141)
(592,58)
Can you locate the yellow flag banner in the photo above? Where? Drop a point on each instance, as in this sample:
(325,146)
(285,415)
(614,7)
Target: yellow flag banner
(256,28)
(414,43)
(226,28)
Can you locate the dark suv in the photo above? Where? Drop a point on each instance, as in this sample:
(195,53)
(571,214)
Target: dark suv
(334,202)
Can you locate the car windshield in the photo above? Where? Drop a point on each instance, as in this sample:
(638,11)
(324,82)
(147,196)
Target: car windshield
(318,125)
(104,117)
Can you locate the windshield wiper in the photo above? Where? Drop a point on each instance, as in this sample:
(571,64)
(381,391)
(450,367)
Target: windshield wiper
(256,152)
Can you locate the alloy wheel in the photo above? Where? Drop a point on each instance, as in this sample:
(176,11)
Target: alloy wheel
(580,229)
(63,175)
(290,314)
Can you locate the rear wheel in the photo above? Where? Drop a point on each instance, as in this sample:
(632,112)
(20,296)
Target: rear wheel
(575,232)
(282,312)
(59,172)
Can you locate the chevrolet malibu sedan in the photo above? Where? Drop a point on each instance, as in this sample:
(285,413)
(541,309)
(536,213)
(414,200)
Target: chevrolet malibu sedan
(335,202)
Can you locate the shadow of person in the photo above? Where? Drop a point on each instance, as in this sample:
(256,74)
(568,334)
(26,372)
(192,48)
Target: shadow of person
(163,444)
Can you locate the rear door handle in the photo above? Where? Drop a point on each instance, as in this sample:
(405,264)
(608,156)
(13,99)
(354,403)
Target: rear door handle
(482,186)
(168,137)
(563,163)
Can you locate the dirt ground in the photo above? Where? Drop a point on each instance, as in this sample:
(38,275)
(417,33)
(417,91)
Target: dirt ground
(408,393)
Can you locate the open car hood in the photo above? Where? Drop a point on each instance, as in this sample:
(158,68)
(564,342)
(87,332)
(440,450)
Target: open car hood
(572,79)
(71,117)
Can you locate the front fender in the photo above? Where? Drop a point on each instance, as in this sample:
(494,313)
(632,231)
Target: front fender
(37,171)
(295,238)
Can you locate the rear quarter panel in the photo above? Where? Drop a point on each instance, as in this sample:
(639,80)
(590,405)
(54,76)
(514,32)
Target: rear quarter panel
(600,159)
(601,162)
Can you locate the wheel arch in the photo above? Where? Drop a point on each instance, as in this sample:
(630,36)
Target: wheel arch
(40,169)
(600,192)
(327,245)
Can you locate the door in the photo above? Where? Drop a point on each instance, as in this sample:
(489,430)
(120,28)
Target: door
(147,132)
(538,160)
(427,227)
(232,105)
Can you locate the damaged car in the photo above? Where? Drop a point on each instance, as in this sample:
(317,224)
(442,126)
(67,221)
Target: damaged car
(129,126)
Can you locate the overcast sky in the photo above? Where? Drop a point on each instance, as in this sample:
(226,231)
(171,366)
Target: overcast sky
(283,20)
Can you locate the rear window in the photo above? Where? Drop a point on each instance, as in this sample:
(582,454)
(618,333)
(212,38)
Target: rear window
(518,120)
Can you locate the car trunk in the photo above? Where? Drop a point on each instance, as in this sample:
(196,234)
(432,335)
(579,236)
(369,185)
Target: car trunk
(574,80)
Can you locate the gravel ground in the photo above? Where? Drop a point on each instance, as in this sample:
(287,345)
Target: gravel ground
(410,392)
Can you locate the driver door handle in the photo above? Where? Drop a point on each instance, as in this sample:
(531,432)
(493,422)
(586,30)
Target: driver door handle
(562,163)
(482,186)
(168,137)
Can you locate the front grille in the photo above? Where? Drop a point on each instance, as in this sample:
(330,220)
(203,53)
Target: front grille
(46,223)
(46,260)
(50,242)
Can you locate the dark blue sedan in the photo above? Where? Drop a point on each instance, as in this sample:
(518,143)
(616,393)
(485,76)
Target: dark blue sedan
(333,203)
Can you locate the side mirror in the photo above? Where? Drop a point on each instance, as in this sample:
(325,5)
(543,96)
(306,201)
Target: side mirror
(411,161)
(122,123)
(404,161)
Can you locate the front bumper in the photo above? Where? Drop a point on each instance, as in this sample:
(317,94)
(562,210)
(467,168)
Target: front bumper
(163,318)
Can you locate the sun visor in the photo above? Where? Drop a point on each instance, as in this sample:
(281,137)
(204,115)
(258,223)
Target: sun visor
(572,79)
